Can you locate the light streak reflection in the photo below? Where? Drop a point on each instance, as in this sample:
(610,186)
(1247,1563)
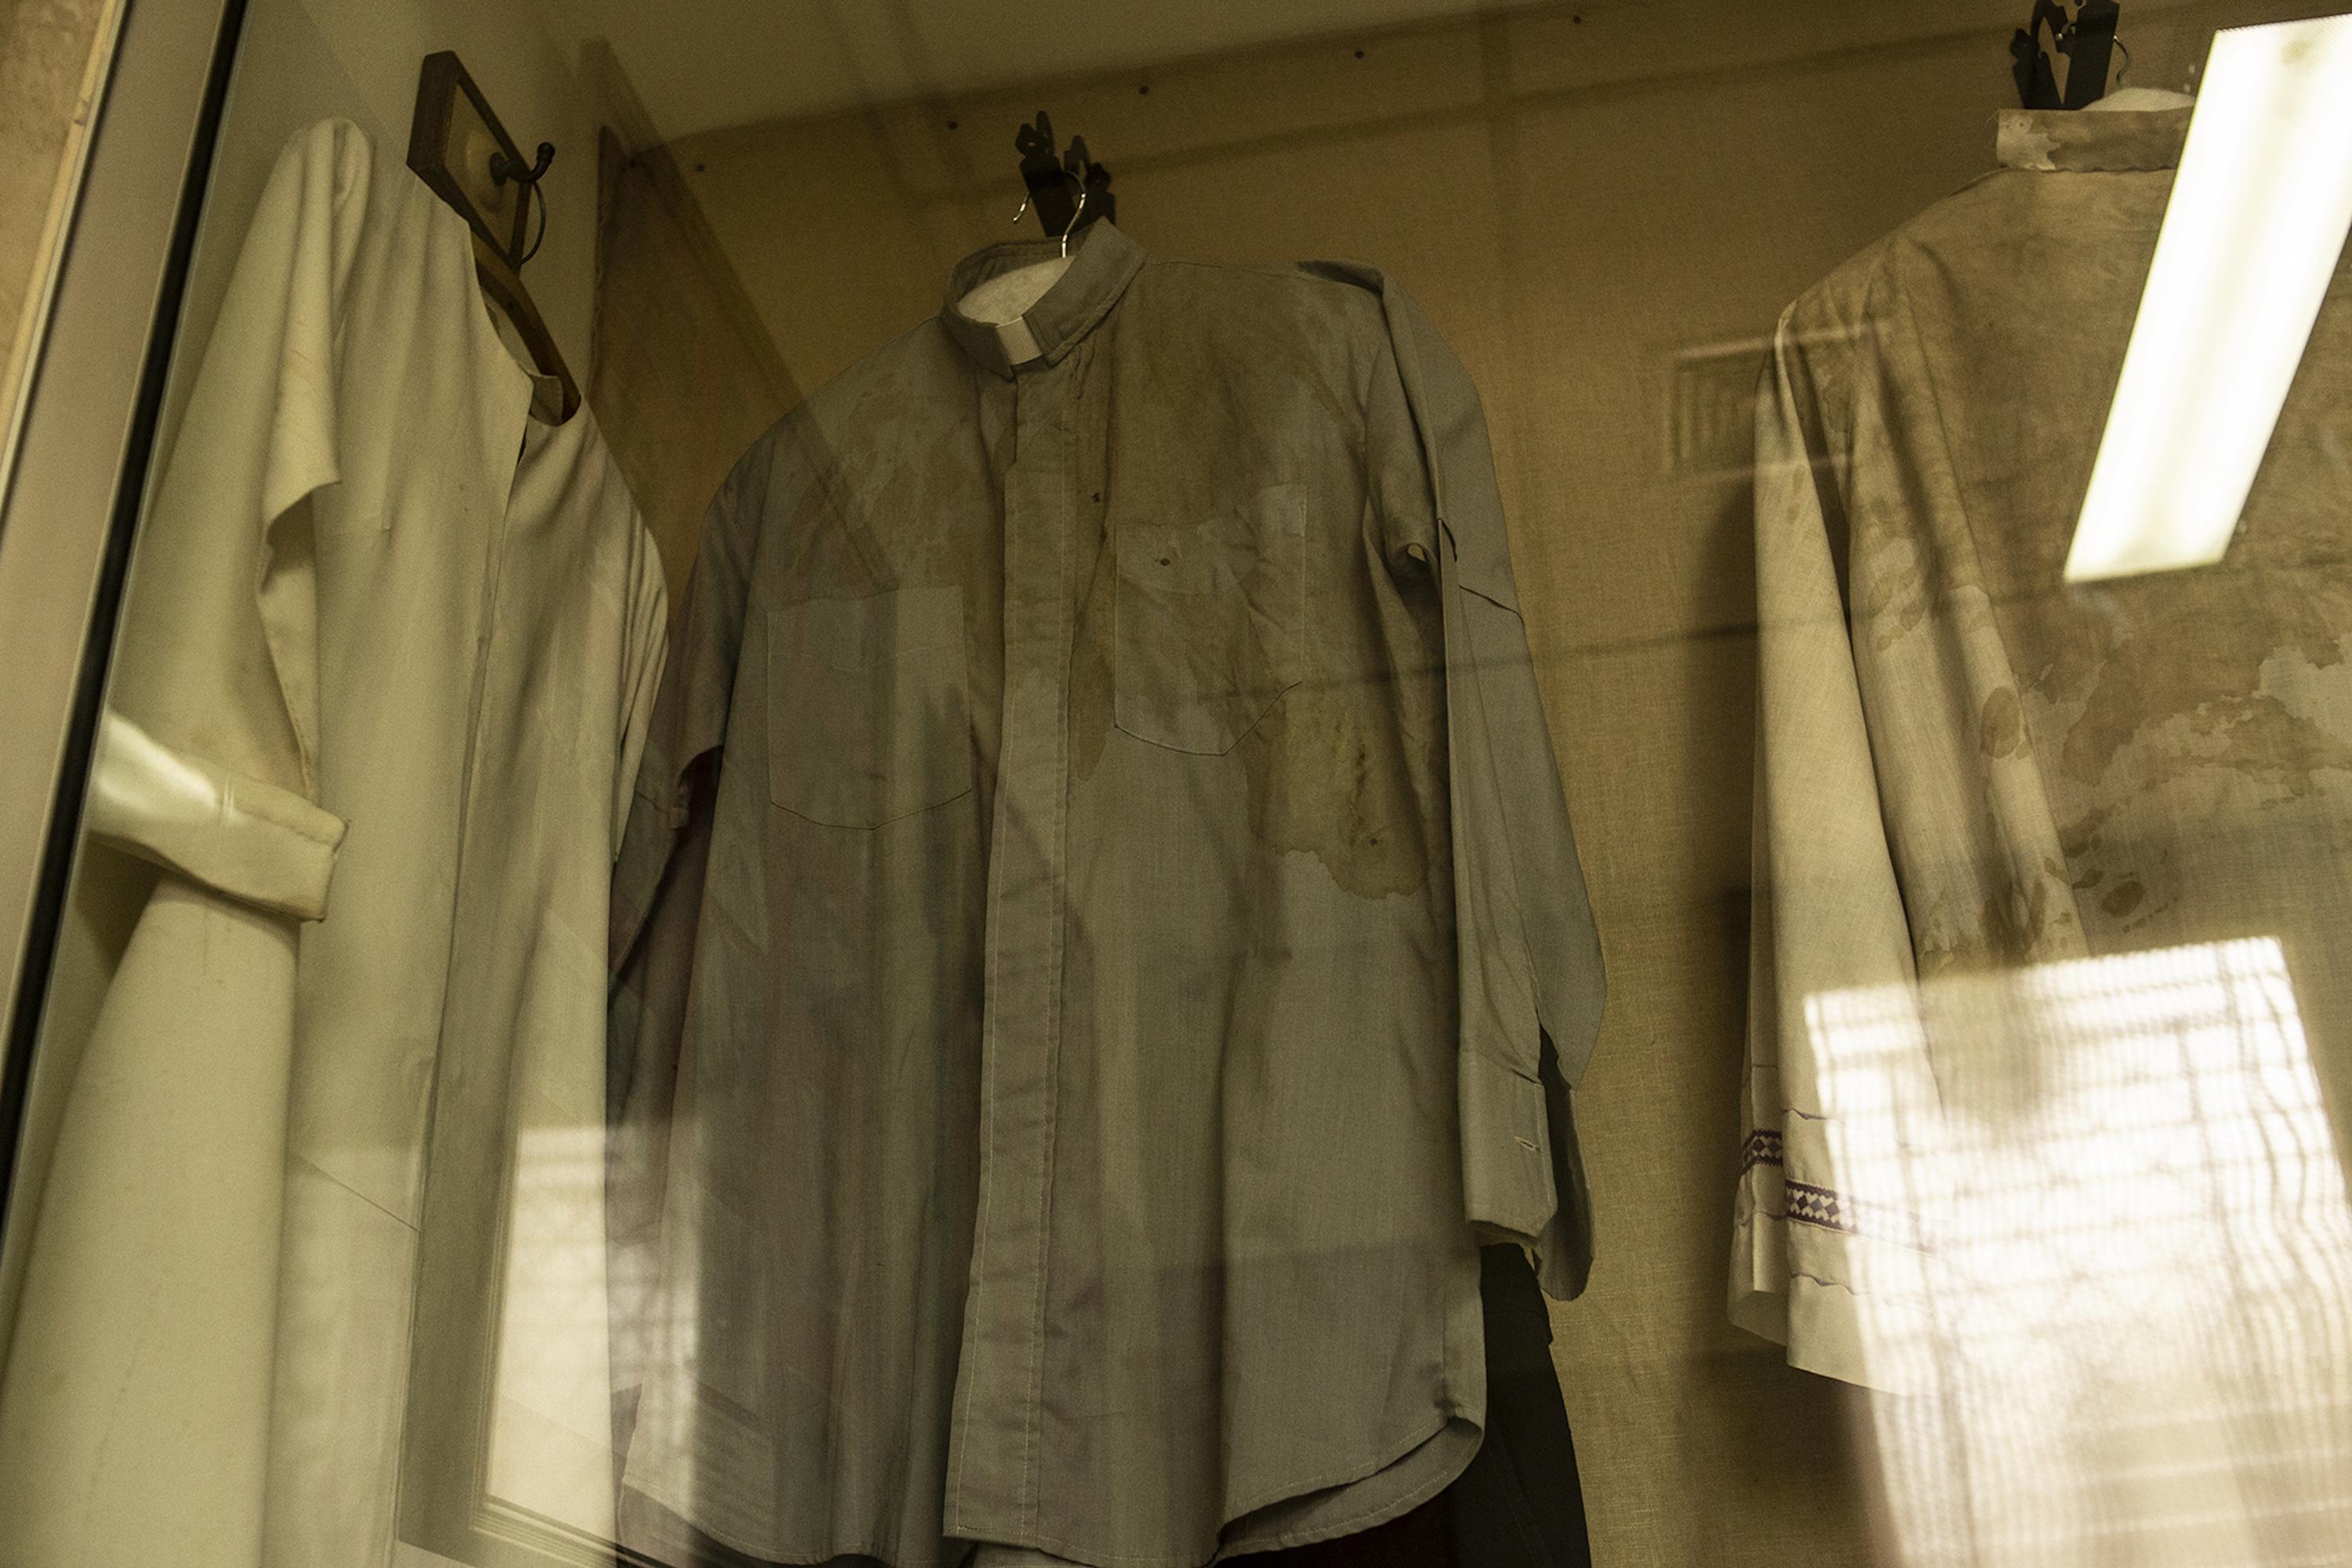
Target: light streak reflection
(2123,1295)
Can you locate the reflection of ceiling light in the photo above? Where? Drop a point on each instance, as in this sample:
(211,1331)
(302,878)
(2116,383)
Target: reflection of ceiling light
(2258,217)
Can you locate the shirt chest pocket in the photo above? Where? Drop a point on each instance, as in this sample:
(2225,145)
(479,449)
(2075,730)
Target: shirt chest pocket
(867,711)
(1210,621)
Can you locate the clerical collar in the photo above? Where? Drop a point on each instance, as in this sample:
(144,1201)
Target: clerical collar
(1101,265)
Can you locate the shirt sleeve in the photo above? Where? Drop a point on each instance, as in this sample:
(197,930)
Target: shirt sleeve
(1900,828)
(1825,911)
(657,910)
(261,846)
(687,726)
(216,676)
(1529,956)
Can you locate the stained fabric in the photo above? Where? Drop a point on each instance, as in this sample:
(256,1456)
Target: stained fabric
(404,640)
(1965,765)
(1100,940)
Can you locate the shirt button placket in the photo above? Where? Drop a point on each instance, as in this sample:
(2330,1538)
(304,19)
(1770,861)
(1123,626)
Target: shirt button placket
(995,1464)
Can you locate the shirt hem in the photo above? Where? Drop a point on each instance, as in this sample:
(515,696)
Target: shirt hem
(1445,1475)
(796,1557)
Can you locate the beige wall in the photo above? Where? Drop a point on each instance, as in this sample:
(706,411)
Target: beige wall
(1578,197)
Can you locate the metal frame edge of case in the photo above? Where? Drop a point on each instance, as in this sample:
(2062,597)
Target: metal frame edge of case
(78,483)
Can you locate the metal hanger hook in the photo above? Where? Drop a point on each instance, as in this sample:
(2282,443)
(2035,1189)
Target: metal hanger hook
(1018,211)
(2123,72)
(1075,213)
(503,168)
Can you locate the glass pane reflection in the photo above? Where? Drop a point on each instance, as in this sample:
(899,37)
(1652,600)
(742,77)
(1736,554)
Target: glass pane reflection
(2119,1304)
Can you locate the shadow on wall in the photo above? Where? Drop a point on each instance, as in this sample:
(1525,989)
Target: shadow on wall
(682,377)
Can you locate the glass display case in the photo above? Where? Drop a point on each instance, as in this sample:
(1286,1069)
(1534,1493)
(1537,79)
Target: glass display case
(1396,783)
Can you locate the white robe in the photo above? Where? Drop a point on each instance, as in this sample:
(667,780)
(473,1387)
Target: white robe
(374,603)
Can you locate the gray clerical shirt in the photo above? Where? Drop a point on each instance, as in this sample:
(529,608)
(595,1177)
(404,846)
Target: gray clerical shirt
(1100,943)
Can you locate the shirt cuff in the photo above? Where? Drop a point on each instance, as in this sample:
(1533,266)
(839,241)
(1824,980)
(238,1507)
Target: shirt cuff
(254,842)
(1507,1175)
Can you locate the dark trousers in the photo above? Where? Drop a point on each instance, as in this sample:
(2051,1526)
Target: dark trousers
(1519,1504)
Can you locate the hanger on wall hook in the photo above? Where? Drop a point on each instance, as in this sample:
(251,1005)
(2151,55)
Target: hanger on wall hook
(1052,176)
(453,120)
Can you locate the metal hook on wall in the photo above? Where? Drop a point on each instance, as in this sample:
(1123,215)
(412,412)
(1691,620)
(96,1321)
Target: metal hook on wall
(503,168)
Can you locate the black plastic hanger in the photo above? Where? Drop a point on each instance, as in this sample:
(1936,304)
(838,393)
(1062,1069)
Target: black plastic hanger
(1057,179)
(2087,39)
